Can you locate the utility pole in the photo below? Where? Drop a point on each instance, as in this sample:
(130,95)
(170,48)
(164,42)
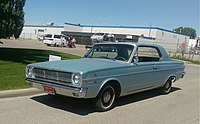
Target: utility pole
(150,31)
(91,27)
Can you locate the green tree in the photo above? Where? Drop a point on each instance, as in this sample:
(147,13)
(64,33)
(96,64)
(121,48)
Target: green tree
(11,18)
(18,15)
(187,31)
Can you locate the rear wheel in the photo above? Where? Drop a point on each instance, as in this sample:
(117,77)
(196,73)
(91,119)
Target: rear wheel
(105,99)
(167,87)
(55,45)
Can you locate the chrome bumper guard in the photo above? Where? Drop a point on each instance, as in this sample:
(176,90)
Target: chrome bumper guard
(59,89)
(183,74)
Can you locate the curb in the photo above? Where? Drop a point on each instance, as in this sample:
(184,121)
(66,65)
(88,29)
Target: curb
(80,46)
(19,92)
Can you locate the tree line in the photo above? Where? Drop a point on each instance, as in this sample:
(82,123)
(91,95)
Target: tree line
(11,18)
(187,31)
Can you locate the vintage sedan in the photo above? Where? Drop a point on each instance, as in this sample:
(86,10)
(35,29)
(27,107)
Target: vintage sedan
(108,71)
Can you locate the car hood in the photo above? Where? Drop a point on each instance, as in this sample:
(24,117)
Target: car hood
(80,65)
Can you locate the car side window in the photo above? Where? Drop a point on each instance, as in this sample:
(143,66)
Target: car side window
(147,54)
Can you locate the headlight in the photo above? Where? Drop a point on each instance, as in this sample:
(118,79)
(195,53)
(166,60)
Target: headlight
(76,79)
(29,72)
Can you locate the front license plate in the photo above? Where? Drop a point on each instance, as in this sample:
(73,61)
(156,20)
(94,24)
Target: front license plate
(49,90)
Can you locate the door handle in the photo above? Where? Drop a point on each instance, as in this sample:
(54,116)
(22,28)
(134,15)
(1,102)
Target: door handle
(155,67)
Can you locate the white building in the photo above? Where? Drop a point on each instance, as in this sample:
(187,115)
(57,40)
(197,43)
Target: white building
(169,39)
(33,31)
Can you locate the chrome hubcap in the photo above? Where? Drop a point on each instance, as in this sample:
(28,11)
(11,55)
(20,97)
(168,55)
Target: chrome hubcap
(168,86)
(106,97)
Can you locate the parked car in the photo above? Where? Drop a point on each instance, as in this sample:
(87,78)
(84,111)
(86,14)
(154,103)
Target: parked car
(55,40)
(41,37)
(99,37)
(194,50)
(108,71)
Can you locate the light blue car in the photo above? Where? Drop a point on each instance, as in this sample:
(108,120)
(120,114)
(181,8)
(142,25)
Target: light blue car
(108,71)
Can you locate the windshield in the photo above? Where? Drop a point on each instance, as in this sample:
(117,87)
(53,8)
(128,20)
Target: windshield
(111,51)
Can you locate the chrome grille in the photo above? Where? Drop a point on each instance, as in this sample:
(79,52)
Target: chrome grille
(52,75)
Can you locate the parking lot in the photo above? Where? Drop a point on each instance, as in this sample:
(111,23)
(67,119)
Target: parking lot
(181,106)
(35,44)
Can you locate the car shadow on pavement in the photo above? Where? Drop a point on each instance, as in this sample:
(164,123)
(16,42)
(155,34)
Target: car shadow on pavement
(77,106)
(141,96)
(84,106)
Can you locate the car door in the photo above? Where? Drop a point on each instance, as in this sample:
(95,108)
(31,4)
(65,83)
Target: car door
(145,71)
(57,39)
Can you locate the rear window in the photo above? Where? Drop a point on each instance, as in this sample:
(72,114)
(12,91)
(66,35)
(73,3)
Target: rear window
(48,35)
(57,36)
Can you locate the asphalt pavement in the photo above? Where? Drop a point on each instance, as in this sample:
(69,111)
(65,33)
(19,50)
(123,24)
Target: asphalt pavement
(19,92)
(181,106)
(35,44)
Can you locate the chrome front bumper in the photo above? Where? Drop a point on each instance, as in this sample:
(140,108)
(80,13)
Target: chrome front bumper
(59,89)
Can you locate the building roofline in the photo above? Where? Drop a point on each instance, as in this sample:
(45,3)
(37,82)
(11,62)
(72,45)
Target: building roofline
(44,26)
(78,25)
(133,27)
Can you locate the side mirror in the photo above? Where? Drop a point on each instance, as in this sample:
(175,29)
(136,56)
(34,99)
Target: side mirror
(135,59)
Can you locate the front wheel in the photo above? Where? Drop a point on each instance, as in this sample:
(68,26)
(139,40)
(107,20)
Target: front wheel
(105,99)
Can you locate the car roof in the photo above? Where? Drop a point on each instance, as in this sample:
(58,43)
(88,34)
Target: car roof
(162,50)
(131,43)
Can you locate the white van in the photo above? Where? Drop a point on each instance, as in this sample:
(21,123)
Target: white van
(55,40)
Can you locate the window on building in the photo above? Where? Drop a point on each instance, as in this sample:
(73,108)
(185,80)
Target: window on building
(163,34)
(174,36)
(40,30)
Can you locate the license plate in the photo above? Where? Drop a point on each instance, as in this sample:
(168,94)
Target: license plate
(49,90)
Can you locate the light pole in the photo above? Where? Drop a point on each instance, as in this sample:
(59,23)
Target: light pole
(91,28)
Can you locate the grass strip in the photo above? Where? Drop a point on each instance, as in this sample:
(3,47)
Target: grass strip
(13,62)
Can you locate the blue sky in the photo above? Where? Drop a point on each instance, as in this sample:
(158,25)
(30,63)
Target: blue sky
(167,14)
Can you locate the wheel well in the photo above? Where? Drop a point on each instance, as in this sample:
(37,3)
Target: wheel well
(173,78)
(116,85)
